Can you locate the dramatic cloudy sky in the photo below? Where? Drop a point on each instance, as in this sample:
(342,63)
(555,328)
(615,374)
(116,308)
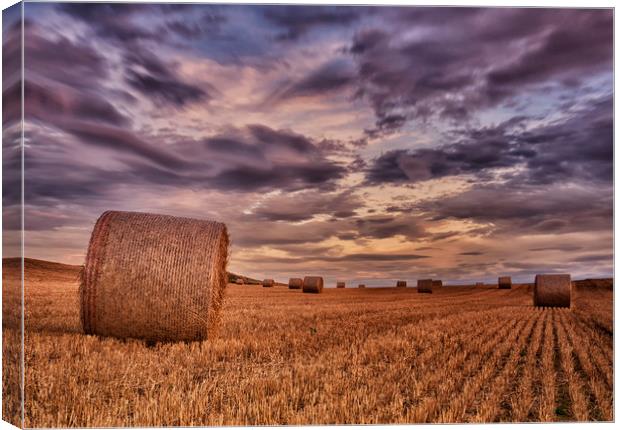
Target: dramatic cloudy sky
(361,143)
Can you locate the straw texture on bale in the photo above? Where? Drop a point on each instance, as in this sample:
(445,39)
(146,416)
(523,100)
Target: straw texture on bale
(153,277)
(552,291)
(361,286)
(268,283)
(504,283)
(295,283)
(313,284)
(340,284)
(425,285)
(437,283)
(401,283)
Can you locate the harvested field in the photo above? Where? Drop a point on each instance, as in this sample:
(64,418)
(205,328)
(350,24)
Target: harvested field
(355,356)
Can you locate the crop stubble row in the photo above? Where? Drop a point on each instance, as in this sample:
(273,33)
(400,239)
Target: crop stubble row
(348,356)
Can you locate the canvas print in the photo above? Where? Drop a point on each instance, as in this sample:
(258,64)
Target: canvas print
(226,214)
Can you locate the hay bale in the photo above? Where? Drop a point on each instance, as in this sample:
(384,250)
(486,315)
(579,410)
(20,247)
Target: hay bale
(361,286)
(552,291)
(425,285)
(153,277)
(239,281)
(437,283)
(313,284)
(401,284)
(479,284)
(295,283)
(340,284)
(268,283)
(504,283)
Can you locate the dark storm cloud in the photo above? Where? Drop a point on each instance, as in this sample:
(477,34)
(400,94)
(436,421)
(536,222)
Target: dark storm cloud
(208,24)
(295,21)
(165,89)
(332,76)
(382,227)
(59,104)
(119,139)
(11,52)
(595,257)
(11,165)
(280,160)
(460,66)
(577,147)
(584,45)
(307,205)
(270,138)
(510,210)
(158,81)
(113,20)
(386,168)
(374,257)
(277,159)
(63,81)
(144,71)
(346,258)
(292,178)
(442,236)
(386,124)
(253,231)
(58,59)
(566,248)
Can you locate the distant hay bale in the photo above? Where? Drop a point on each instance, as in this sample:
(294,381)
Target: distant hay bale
(552,291)
(239,281)
(313,284)
(361,286)
(425,285)
(268,283)
(401,283)
(295,283)
(153,277)
(437,283)
(479,284)
(504,283)
(340,284)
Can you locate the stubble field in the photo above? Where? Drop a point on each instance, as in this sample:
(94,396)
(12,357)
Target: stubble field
(461,354)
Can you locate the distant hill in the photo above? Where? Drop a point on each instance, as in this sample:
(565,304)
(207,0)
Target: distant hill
(604,283)
(232,278)
(34,265)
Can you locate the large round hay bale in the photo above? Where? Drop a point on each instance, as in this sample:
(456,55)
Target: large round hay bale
(361,286)
(552,291)
(401,284)
(295,283)
(340,284)
(268,283)
(425,285)
(153,277)
(313,284)
(504,283)
(437,283)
